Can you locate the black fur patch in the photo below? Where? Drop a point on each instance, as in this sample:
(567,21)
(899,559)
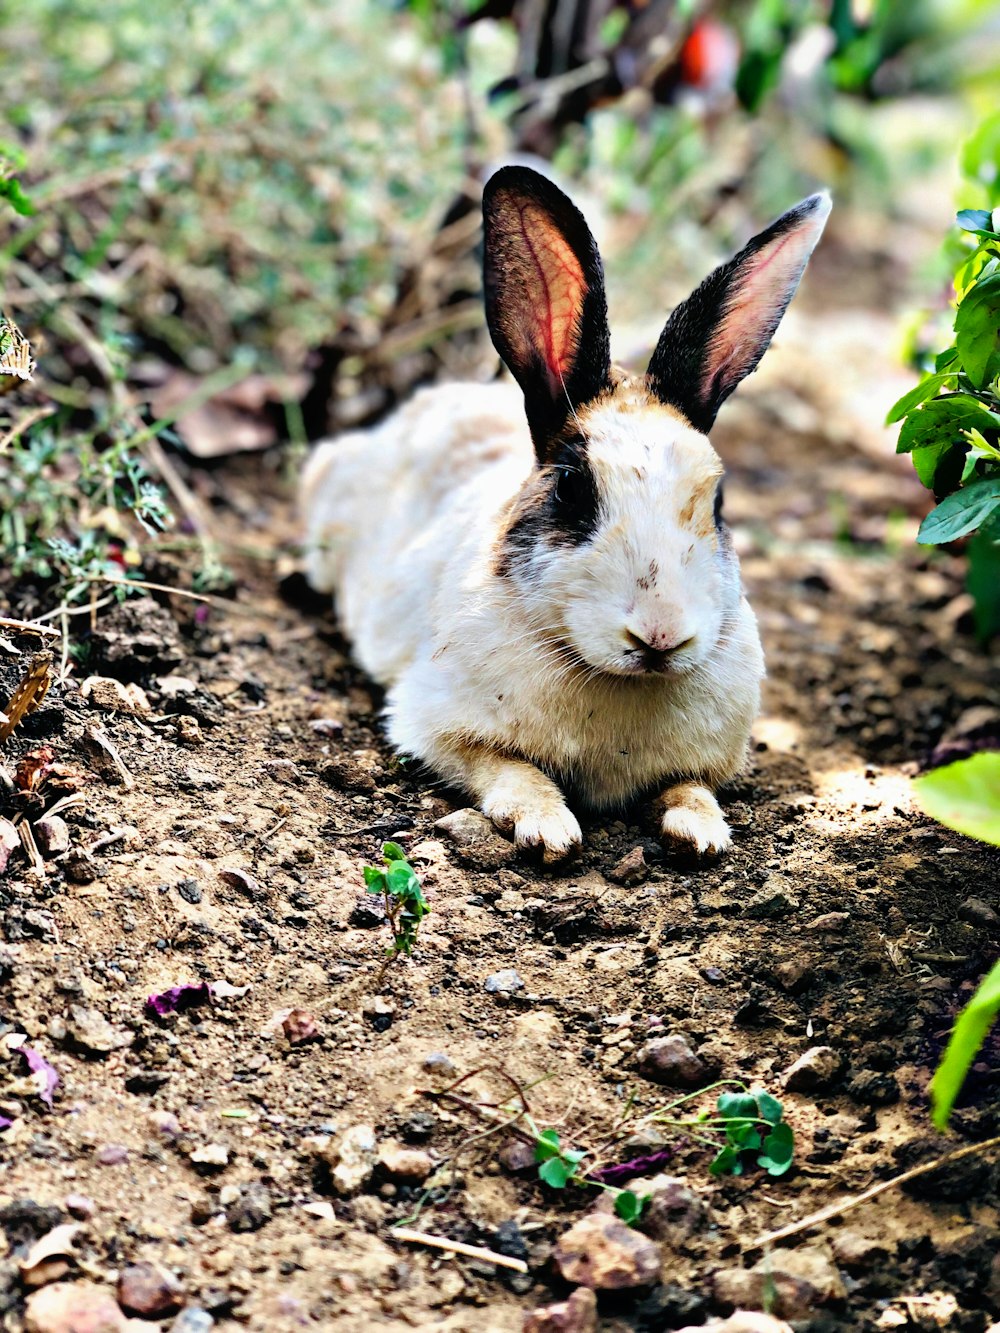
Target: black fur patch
(719,521)
(563,507)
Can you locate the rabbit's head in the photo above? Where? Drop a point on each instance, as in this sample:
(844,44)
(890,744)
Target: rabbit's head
(616,541)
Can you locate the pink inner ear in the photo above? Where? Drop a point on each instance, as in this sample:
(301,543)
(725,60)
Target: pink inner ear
(552,290)
(756,305)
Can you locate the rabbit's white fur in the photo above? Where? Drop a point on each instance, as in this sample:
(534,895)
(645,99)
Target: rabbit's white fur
(404,523)
(544,583)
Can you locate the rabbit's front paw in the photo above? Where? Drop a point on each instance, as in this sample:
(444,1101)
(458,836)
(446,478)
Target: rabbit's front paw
(531,807)
(692,821)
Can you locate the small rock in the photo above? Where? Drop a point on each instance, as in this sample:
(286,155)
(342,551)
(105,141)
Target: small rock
(815,1068)
(438,1063)
(326,726)
(516,1155)
(974,910)
(830,921)
(210,1156)
(73,1307)
(793,975)
(111,696)
(631,869)
(190,891)
(52,835)
(367,913)
(576,1314)
(347,774)
(379,1012)
(192,1320)
(601,1252)
(112,1154)
(251,1209)
(409,1166)
(773,902)
(242,880)
(300,1026)
(741,1321)
(91,1033)
(187,731)
(418,1127)
(79,1205)
(9,842)
(352,1159)
(148,1290)
(476,840)
(856,1252)
(671,1060)
(790,1282)
(871,1088)
(675,1212)
(283,771)
(504,982)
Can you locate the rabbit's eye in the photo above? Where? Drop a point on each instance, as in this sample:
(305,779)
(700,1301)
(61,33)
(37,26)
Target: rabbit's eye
(718,505)
(574,498)
(572,487)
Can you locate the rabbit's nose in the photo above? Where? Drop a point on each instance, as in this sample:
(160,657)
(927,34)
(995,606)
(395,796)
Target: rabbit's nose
(655,649)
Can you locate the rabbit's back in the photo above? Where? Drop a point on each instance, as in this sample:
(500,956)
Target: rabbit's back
(386,510)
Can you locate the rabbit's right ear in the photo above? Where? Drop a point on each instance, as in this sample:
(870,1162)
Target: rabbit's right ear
(545,303)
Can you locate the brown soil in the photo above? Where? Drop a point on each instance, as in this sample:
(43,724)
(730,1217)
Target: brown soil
(841,918)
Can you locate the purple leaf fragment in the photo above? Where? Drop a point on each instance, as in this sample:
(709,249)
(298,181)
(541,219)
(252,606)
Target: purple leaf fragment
(625,1171)
(48,1080)
(179,998)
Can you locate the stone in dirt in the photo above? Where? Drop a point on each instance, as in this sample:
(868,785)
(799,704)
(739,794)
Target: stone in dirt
(631,869)
(192,1320)
(671,1060)
(675,1212)
(148,1290)
(741,1321)
(504,982)
(352,1159)
(576,1314)
(111,696)
(91,1033)
(251,1209)
(476,840)
(300,1026)
(408,1166)
(9,842)
(601,1252)
(210,1156)
(51,834)
(73,1307)
(815,1068)
(792,1282)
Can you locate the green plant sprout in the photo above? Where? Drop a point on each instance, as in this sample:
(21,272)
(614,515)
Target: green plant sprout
(745,1123)
(405,904)
(559,1167)
(964,796)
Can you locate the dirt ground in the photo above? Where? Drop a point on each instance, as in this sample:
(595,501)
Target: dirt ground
(229,846)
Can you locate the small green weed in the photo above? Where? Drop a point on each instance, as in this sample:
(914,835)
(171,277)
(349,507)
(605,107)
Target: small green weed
(559,1167)
(965,796)
(405,904)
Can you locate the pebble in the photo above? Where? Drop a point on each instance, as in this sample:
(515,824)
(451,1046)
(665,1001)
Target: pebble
(601,1252)
(192,1320)
(631,869)
(79,1205)
(187,730)
(9,842)
(210,1156)
(576,1314)
(872,1088)
(674,1212)
(793,975)
(830,921)
(974,910)
(515,1155)
(52,835)
(367,913)
(90,1032)
(379,1011)
(300,1026)
(73,1307)
(742,1321)
(856,1252)
(112,1154)
(111,696)
(671,1060)
(242,880)
(815,1068)
(251,1209)
(504,982)
(148,1290)
(476,840)
(790,1282)
(436,1062)
(352,1159)
(408,1166)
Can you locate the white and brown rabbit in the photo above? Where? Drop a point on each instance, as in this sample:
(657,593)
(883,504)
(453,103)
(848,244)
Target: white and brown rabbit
(546,587)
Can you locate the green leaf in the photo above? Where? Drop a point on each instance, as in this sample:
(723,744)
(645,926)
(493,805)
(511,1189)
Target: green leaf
(928,458)
(547,1145)
(967,1036)
(743,1136)
(630,1207)
(402,880)
(983,579)
(374,879)
(727,1160)
(976,220)
(927,388)
(977,331)
(770,1108)
(961,512)
(737,1105)
(779,1147)
(964,796)
(10,189)
(556,1171)
(943,421)
(946,360)
(393,852)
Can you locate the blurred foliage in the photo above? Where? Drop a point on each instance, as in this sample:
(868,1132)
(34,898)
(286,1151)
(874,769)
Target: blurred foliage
(951,420)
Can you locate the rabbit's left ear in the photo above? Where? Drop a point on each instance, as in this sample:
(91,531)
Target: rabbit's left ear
(718,335)
(545,303)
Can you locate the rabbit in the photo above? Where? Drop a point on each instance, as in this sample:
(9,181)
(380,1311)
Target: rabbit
(539,572)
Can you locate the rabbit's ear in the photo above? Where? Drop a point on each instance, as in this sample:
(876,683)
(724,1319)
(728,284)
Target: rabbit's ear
(717,336)
(545,303)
